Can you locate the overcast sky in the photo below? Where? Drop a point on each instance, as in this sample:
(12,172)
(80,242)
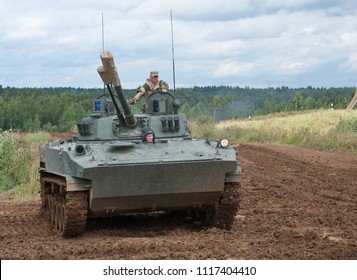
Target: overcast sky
(295,43)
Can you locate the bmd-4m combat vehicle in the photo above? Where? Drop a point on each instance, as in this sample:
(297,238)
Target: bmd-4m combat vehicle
(109,168)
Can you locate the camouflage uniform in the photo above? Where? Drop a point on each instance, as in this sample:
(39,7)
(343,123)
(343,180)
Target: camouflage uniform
(149,87)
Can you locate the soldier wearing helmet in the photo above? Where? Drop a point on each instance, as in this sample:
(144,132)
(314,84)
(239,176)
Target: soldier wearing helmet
(148,135)
(151,84)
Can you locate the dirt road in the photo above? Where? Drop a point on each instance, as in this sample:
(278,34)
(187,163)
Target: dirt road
(295,204)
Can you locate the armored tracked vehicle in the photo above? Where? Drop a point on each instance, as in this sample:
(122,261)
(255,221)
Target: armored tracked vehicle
(110,168)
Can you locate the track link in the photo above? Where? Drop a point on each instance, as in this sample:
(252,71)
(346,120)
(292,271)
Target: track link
(222,214)
(226,207)
(67,211)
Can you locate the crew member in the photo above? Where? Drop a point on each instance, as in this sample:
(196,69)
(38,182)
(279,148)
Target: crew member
(151,85)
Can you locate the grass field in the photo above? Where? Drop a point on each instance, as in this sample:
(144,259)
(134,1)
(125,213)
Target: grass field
(19,163)
(324,130)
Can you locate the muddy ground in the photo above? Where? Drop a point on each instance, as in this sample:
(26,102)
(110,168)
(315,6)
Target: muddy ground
(295,204)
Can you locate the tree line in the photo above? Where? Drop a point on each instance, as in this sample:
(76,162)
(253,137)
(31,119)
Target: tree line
(58,109)
(225,102)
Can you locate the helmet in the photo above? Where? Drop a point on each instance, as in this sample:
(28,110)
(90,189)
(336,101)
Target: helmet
(145,132)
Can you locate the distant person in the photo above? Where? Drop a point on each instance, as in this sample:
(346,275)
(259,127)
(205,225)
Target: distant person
(151,85)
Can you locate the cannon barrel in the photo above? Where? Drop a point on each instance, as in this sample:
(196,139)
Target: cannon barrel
(109,75)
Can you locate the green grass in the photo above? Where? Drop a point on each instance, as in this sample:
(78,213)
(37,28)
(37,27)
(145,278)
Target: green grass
(321,130)
(19,162)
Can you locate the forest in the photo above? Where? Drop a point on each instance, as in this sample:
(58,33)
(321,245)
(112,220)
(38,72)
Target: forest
(58,109)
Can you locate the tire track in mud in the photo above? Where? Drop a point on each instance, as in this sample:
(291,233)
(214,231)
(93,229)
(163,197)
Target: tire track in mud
(301,197)
(21,219)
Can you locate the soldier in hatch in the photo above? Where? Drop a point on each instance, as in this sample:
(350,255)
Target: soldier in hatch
(148,135)
(151,84)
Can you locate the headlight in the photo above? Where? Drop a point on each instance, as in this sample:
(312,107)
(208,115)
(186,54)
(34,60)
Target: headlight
(223,143)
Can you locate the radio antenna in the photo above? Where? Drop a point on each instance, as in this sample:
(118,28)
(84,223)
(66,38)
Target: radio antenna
(173,53)
(102,32)
(103,47)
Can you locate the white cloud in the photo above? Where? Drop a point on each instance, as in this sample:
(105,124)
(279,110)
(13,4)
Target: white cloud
(67,40)
(290,66)
(231,69)
(28,27)
(251,41)
(351,64)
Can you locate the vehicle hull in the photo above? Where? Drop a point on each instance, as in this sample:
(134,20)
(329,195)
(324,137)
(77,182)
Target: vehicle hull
(160,186)
(143,177)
